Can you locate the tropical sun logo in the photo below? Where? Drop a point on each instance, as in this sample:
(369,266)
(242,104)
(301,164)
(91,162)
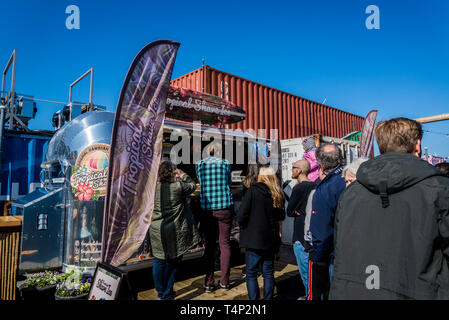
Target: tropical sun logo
(89,175)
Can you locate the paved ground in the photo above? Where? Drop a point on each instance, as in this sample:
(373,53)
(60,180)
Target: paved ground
(190,280)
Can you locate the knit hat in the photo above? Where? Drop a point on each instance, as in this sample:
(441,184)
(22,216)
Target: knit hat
(309,144)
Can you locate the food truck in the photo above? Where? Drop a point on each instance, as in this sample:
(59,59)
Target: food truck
(63,212)
(63,219)
(62,224)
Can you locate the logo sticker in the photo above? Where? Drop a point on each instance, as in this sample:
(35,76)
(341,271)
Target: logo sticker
(90,173)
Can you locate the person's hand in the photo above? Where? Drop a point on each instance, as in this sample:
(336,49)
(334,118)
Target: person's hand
(280,229)
(179,173)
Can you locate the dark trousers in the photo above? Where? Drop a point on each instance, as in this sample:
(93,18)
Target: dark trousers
(219,221)
(319,280)
(164,272)
(254,259)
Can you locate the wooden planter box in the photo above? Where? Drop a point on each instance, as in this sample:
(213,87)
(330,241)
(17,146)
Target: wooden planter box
(10,235)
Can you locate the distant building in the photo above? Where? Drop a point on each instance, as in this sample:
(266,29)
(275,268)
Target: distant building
(433,160)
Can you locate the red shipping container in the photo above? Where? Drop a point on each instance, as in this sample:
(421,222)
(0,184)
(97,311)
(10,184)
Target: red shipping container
(268,108)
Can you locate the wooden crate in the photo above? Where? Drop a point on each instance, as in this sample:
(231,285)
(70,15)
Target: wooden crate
(10,234)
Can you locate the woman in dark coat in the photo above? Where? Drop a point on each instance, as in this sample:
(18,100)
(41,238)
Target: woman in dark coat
(259,216)
(172,229)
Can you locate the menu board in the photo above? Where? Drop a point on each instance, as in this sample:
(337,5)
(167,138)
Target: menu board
(106,283)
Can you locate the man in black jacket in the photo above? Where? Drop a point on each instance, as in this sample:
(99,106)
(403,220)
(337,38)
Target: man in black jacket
(297,208)
(392,224)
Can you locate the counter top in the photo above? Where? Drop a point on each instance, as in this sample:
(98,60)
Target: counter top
(11,221)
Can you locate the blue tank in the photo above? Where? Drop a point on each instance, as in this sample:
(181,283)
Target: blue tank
(23,153)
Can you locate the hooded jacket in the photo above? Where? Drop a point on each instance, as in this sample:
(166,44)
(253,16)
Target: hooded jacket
(392,232)
(259,220)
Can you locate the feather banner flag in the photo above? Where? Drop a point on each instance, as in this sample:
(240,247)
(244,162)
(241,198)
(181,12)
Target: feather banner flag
(135,153)
(367,136)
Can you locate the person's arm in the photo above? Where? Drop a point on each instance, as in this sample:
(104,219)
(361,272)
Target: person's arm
(278,214)
(319,227)
(197,165)
(308,213)
(443,222)
(187,184)
(337,220)
(229,173)
(245,209)
(295,199)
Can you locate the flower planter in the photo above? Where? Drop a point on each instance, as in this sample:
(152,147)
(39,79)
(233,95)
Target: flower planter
(80,297)
(41,294)
(75,286)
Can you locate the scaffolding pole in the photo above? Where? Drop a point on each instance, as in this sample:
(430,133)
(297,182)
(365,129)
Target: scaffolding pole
(440,117)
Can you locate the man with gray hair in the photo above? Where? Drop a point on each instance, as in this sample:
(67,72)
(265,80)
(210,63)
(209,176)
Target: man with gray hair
(324,205)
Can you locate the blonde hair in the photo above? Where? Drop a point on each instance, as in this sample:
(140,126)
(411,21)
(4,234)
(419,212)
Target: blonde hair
(268,176)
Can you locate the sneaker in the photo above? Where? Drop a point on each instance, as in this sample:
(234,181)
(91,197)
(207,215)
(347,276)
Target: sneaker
(209,288)
(224,286)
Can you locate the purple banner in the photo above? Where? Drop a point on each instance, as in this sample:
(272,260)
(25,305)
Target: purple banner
(367,136)
(135,153)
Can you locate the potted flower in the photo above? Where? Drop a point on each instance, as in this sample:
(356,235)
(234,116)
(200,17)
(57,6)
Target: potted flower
(40,286)
(76,286)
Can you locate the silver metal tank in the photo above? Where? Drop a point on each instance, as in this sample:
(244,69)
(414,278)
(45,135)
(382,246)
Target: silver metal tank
(81,148)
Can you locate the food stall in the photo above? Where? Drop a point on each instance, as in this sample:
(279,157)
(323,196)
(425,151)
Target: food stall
(62,220)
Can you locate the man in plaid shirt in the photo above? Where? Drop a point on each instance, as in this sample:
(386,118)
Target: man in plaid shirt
(214,175)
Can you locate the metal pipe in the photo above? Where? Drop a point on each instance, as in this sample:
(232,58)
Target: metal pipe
(91,95)
(2,119)
(204,72)
(91,72)
(12,60)
(13,82)
(440,117)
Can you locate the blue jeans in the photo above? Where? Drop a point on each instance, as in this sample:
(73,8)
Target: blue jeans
(164,272)
(302,259)
(252,259)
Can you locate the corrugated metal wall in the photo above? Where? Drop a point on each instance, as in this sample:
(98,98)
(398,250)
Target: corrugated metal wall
(268,108)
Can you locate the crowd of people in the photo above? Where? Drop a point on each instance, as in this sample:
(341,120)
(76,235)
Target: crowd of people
(372,229)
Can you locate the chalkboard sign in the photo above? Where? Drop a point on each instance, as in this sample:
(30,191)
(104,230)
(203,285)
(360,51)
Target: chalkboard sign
(106,283)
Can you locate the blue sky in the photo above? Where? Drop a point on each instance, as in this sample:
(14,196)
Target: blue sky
(315,49)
